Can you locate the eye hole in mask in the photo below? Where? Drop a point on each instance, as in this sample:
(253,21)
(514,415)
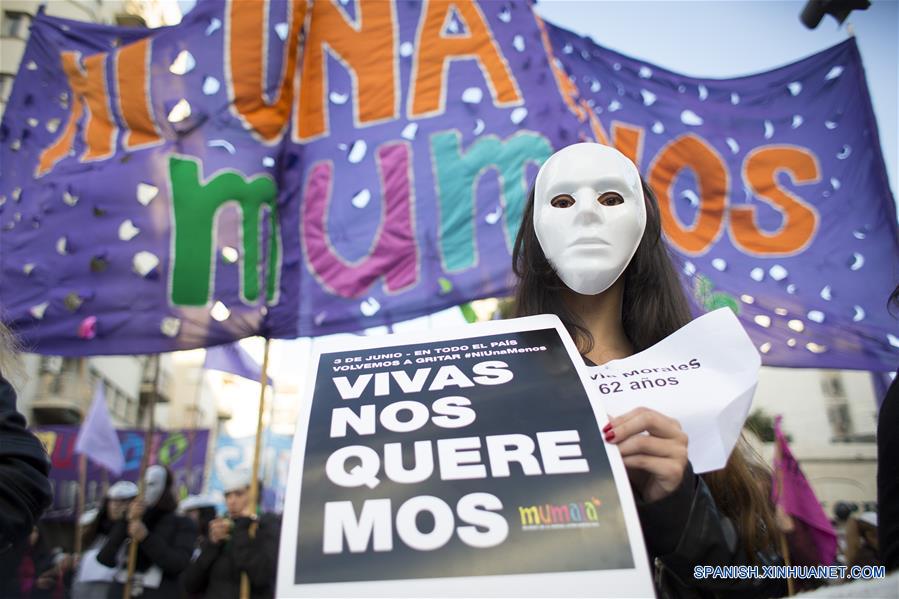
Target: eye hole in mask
(566,201)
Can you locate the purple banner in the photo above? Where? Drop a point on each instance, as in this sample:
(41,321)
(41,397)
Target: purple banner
(773,192)
(182,451)
(188,186)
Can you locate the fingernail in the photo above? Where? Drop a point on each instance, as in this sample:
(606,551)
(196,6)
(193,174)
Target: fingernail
(607,428)
(610,435)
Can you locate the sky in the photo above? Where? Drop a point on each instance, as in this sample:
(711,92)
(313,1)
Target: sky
(732,38)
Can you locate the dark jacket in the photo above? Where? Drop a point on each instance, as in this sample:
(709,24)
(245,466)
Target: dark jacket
(24,488)
(685,530)
(33,561)
(168,545)
(215,572)
(888,478)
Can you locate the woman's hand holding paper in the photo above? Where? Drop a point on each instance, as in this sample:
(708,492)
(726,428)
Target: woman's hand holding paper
(655,461)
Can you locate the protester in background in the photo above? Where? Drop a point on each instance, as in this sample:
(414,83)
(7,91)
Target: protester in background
(165,539)
(200,509)
(618,294)
(230,549)
(24,488)
(41,572)
(94,580)
(888,466)
(861,540)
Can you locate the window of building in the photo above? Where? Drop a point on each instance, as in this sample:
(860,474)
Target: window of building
(6,80)
(14,24)
(51,364)
(837,402)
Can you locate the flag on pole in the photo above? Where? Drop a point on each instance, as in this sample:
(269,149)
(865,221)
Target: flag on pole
(97,438)
(234,359)
(794,494)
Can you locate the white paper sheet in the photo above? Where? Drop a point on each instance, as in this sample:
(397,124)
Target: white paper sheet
(704,375)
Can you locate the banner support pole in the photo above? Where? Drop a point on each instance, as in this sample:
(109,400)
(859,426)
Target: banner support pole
(784,546)
(192,432)
(254,481)
(79,511)
(144,462)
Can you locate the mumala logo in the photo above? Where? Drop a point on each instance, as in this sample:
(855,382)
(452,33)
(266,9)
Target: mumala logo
(580,514)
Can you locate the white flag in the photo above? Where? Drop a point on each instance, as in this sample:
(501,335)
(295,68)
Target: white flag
(97,438)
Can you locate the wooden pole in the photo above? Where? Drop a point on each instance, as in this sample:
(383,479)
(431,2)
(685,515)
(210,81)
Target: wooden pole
(144,462)
(254,481)
(784,547)
(82,466)
(192,433)
(79,511)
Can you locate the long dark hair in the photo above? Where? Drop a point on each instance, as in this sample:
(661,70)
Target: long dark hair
(654,306)
(648,280)
(893,301)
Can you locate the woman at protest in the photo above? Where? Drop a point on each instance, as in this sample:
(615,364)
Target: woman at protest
(589,250)
(93,580)
(200,509)
(231,550)
(41,572)
(165,539)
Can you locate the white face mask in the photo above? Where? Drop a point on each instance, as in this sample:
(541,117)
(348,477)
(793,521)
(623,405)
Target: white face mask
(589,215)
(154,480)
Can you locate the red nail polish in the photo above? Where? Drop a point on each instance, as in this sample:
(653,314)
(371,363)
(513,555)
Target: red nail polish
(610,435)
(607,428)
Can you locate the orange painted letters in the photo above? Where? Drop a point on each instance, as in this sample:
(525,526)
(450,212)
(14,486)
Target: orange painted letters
(628,140)
(434,50)
(134,95)
(367,48)
(247,41)
(800,220)
(692,152)
(88,88)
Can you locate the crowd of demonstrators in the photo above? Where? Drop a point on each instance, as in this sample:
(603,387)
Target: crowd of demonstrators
(237,545)
(184,551)
(194,554)
(165,540)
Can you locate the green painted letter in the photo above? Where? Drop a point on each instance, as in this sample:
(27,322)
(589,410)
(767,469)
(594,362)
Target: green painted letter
(194,206)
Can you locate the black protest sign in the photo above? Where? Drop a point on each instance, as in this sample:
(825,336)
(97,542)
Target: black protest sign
(478,456)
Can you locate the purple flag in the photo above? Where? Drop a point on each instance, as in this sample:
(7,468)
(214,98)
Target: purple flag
(97,437)
(234,359)
(233,176)
(792,492)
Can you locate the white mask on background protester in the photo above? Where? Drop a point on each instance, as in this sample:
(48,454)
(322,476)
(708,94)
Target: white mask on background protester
(155,484)
(589,215)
